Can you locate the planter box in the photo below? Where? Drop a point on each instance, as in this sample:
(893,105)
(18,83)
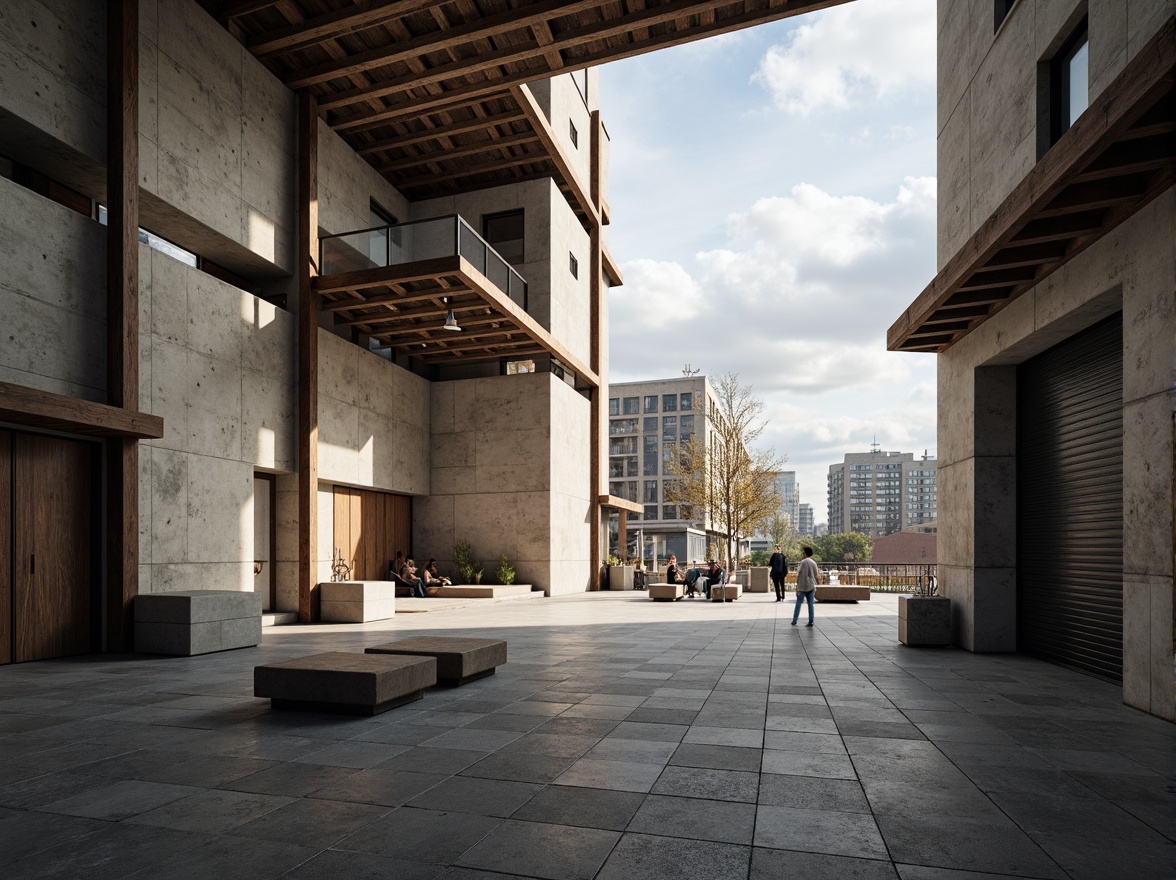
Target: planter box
(761,580)
(924,620)
(196,622)
(357,601)
(620,577)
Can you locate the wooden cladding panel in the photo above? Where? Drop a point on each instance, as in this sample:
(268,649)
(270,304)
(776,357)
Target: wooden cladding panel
(5,547)
(370,527)
(54,565)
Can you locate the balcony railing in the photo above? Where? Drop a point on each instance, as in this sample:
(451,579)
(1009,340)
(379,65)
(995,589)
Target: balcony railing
(394,244)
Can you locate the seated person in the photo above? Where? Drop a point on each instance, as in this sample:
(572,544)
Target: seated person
(673,573)
(714,576)
(409,573)
(432,578)
(695,582)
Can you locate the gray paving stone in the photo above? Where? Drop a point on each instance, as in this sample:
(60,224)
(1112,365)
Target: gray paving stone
(716,757)
(291,780)
(584,807)
(334,864)
(772,864)
(813,793)
(695,819)
(643,751)
(558,852)
(389,788)
(210,812)
(482,797)
(25,833)
(648,857)
(720,785)
(819,831)
(425,759)
(618,775)
(310,822)
(117,852)
(830,766)
(964,843)
(420,835)
(231,858)
(119,800)
(519,767)
(922,872)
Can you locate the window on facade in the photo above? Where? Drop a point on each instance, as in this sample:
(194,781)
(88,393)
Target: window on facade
(518,368)
(649,492)
(504,233)
(622,446)
(1067,84)
(616,467)
(630,405)
(651,403)
(622,426)
(670,428)
(686,423)
(573,265)
(669,403)
(1000,11)
(649,464)
(686,401)
(669,511)
(573,134)
(631,466)
(651,511)
(650,425)
(614,406)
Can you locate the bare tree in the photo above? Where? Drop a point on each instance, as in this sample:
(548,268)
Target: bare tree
(720,475)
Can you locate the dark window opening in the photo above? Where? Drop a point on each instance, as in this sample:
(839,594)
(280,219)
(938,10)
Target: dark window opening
(504,233)
(1063,89)
(378,239)
(573,265)
(575,135)
(1000,11)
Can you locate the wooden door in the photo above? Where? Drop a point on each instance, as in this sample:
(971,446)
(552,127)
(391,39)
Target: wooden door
(53,565)
(5,547)
(369,528)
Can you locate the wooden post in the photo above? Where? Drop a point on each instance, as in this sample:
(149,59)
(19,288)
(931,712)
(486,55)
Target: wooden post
(122,314)
(307,358)
(598,398)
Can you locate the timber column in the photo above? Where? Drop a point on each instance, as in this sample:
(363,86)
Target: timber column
(307,358)
(597,316)
(122,314)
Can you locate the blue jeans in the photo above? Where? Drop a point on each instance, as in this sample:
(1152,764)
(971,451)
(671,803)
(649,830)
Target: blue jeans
(800,600)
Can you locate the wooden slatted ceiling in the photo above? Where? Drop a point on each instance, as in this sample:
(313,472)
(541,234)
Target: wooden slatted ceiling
(423,88)
(404,306)
(1118,155)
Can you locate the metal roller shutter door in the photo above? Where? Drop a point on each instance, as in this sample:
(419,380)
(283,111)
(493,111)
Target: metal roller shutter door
(1070,502)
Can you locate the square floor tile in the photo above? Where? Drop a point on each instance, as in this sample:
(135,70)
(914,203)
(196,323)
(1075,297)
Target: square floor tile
(695,819)
(424,836)
(830,766)
(210,812)
(558,852)
(718,785)
(648,857)
(820,831)
(617,775)
(482,797)
(585,807)
(311,822)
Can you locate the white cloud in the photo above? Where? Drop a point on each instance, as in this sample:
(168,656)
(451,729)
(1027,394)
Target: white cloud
(862,51)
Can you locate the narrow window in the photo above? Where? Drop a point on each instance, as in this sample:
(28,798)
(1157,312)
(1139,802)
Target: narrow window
(1063,91)
(575,135)
(573,265)
(651,403)
(379,220)
(1000,11)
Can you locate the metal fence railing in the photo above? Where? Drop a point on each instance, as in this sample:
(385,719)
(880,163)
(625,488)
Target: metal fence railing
(428,239)
(883,577)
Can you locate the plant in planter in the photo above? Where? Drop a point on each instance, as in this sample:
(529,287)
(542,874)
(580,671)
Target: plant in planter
(463,555)
(506,573)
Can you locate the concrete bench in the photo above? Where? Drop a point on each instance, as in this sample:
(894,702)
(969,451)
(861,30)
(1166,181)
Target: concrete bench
(353,684)
(666,592)
(196,622)
(842,593)
(728,592)
(459,661)
(924,620)
(356,601)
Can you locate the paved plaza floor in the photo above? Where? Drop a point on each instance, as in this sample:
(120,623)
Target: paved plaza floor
(624,740)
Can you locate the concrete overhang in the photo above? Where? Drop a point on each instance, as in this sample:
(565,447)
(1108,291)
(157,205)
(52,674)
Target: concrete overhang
(405,306)
(1116,157)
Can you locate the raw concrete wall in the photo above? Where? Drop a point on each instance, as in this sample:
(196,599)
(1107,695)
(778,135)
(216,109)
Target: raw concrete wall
(218,365)
(52,296)
(571,498)
(1133,269)
(988,92)
(347,186)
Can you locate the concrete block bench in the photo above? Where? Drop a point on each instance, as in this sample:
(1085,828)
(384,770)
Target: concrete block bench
(196,622)
(666,592)
(842,593)
(459,661)
(924,620)
(352,684)
(761,580)
(356,601)
(728,592)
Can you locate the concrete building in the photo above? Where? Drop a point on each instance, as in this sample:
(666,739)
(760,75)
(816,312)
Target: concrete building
(789,512)
(877,493)
(1052,314)
(805,519)
(647,421)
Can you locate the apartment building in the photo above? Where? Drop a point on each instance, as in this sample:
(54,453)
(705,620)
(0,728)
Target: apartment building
(1052,317)
(648,421)
(789,512)
(878,493)
(805,519)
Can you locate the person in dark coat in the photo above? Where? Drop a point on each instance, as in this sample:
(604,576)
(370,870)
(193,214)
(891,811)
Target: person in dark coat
(779,566)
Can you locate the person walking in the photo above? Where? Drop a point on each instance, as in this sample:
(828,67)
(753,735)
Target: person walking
(806,584)
(779,566)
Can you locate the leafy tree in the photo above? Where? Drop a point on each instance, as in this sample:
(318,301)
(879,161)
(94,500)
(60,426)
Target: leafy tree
(718,472)
(779,529)
(759,557)
(845,547)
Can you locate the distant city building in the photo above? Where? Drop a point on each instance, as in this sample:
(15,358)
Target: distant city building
(647,421)
(789,491)
(878,493)
(805,519)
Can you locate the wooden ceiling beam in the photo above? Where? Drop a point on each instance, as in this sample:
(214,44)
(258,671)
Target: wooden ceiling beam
(231,9)
(472,170)
(457,153)
(363,279)
(394,299)
(414,315)
(441,131)
(334,24)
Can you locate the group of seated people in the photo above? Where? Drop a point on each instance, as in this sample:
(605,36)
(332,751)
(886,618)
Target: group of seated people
(697,580)
(418,580)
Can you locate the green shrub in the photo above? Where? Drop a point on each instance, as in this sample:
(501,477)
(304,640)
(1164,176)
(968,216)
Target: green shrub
(506,573)
(463,555)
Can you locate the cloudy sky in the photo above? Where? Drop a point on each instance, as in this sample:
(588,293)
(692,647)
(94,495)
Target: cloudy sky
(773,211)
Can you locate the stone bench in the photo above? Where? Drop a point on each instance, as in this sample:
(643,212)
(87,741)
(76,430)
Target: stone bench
(356,601)
(841,593)
(459,661)
(353,684)
(728,592)
(196,622)
(924,620)
(666,592)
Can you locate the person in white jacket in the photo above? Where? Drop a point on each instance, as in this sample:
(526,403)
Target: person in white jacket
(806,585)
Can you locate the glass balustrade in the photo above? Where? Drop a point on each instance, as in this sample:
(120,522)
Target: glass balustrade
(417,241)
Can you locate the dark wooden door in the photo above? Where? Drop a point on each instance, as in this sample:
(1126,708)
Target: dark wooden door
(370,527)
(5,547)
(53,561)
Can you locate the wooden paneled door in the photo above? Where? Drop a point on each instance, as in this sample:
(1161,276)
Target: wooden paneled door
(5,547)
(369,528)
(52,517)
